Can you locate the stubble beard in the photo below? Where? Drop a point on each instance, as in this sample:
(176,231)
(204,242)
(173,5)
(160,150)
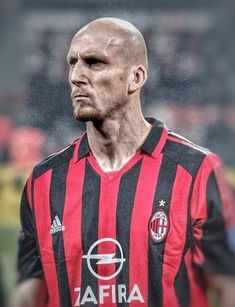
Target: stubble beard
(85,113)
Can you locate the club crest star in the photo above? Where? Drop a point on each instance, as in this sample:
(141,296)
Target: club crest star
(162,203)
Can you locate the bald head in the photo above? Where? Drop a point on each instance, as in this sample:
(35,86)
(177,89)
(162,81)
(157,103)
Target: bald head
(118,35)
(107,69)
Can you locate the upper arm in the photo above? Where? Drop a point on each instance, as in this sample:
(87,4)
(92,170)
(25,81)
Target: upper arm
(29,261)
(213,216)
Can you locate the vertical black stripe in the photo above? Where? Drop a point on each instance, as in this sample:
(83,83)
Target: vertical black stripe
(191,160)
(219,257)
(156,250)
(34,218)
(181,285)
(154,135)
(29,263)
(182,274)
(57,199)
(90,218)
(84,147)
(125,203)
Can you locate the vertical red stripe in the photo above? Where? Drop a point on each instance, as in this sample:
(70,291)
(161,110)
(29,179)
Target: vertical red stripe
(107,229)
(199,207)
(72,222)
(177,234)
(139,233)
(154,227)
(43,225)
(198,295)
(161,142)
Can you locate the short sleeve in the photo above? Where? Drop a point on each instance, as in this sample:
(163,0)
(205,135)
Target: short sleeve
(28,263)
(213,218)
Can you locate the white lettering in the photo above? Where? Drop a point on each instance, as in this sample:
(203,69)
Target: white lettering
(102,293)
(113,294)
(135,295)
(56,229)
(77,303)
(121,293)
(89,297)
(117,293)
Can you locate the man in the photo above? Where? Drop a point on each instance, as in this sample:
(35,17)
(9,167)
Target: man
(129,214)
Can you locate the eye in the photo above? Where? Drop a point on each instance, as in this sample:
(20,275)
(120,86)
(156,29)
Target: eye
(72,61)
(94,61)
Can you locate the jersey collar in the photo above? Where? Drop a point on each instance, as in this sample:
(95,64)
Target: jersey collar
(156,139)
(152,146)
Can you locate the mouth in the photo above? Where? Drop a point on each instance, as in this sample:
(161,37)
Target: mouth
(80,99)
(79,95)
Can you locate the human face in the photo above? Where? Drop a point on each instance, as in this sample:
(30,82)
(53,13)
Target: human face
(98,76)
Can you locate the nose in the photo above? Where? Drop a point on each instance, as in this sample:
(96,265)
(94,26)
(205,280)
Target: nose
(77,74)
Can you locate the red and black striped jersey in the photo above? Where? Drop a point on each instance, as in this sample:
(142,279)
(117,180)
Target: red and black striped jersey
(140,236)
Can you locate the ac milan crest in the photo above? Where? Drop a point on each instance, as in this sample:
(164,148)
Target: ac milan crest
(159,225)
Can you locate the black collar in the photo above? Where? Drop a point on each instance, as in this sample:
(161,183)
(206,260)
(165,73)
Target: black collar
(152,145)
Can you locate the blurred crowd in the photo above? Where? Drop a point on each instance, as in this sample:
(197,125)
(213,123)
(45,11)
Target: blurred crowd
(191,88)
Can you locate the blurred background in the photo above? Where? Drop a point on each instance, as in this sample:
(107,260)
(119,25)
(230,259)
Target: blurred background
(191,85)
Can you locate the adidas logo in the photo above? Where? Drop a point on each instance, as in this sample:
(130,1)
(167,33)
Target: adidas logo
(56,226)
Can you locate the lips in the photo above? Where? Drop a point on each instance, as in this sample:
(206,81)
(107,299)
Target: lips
(80,95)
(80,99)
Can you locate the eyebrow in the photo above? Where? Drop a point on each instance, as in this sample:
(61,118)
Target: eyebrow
(87,54)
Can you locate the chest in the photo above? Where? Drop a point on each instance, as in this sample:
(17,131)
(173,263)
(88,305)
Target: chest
(145,207)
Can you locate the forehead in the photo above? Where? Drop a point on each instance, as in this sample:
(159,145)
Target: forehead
(90,43)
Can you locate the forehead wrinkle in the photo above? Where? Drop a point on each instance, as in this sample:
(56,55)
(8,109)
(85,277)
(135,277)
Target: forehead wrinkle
(116,44)
(96,43)
(90,49)
(113,42)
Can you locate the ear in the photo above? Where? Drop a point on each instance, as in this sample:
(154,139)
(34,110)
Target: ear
(138,78)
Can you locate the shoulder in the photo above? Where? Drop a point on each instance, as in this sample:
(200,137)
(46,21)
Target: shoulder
(55,159)
(187,154)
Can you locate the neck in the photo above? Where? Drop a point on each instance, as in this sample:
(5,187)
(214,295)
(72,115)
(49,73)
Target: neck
(116,140)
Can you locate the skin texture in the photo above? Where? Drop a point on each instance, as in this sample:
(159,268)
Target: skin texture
(108,67)
(30,293)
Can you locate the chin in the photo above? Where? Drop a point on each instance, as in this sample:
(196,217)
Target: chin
(85,116)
